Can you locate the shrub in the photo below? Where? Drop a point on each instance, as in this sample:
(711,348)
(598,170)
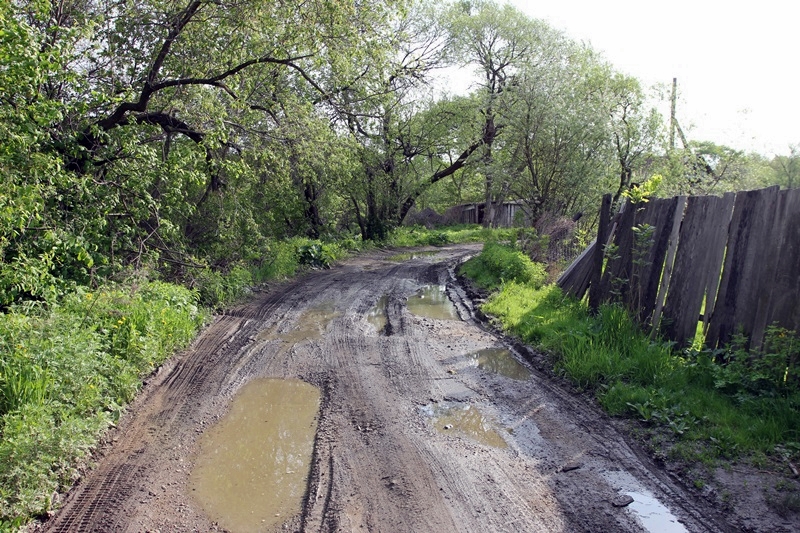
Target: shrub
(66,372)
(498,263)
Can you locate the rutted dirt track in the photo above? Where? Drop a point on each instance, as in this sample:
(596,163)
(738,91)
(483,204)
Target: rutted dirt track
(379,463)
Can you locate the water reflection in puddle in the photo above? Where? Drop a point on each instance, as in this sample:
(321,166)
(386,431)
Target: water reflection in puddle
(377,314)
(466,419)
(409,255)
(499,361)
(252,468)
(431,301)
(310,325)
(652,514)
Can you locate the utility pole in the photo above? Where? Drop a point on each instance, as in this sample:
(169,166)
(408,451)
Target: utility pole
(672,120)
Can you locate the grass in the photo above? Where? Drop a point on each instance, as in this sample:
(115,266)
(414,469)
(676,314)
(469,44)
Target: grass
(707,409)
(498,263)
(66,373)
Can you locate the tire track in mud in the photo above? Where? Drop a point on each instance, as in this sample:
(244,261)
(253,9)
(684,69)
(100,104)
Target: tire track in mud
(378,463)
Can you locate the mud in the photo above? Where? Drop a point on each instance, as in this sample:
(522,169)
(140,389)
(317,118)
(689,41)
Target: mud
(379,460)
(252,466)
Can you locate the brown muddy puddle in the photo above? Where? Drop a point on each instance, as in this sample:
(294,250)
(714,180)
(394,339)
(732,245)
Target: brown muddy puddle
(310,325)
(464,419)
(377,314)
(431,301)
(499,361)
(409,255)
(252,467)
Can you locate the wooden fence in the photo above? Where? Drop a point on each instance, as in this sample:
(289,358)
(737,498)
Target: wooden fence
(730,262)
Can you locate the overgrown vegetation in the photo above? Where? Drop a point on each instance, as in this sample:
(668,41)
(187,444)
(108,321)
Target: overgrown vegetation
(500,263)
(694,404)
(66,372)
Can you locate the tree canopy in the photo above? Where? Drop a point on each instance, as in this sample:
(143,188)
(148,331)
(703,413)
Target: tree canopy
(173,135)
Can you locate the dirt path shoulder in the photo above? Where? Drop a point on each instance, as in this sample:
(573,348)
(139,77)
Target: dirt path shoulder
(520,453)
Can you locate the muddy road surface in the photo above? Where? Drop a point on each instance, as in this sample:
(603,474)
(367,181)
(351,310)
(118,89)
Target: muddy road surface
(380,404)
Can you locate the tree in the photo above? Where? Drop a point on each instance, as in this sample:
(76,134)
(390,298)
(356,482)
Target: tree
(787,168)
(406,140)
(165,106)
(635,128)
(498,41)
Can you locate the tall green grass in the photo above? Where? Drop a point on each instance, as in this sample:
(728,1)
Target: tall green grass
(685,395)
(66,372)
(498,263)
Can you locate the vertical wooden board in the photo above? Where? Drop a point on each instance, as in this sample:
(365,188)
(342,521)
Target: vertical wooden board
(575,279)
(659,214)
(784,297)
(603,230)
(743,276)
(702,231)
(714,274)
(616,277)
(669,262)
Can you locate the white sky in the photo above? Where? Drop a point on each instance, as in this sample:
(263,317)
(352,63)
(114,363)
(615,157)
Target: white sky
(737,63)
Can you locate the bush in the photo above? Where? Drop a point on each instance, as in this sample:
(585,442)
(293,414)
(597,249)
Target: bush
(498,263)
(67,370)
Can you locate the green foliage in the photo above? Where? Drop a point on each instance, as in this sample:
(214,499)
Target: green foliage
(66,372)
(714,404)
(771,372)
(641,193)
(316,255)
(498,263)
(216,289)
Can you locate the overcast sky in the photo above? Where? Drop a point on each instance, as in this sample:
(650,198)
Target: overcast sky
(737,63)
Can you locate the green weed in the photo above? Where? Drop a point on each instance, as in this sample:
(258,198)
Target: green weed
(67,370)
(498,263)
(715,404)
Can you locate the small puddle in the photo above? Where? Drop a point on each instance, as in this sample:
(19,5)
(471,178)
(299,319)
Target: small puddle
(652,514)
(499,361)
(466,419)
(431,301)
(377,314)
(310,325)
(409,255)
(252,468)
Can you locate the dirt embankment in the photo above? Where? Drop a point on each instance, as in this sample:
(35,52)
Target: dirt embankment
(415,431)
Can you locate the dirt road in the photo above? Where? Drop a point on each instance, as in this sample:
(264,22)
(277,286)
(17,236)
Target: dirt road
(418,430)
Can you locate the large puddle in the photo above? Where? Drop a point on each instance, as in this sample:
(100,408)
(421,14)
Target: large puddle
(465,419)
(252,468)
(499,361)
(652,514)
(377,314)
(310,325)
(431,301)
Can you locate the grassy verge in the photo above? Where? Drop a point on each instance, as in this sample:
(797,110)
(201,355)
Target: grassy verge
(66,371)
(693,405)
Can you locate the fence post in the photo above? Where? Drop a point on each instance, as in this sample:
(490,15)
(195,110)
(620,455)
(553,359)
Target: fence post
(603,227)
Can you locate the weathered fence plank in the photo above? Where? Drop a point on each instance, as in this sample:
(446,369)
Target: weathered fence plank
(614,284)
(677,218)
(575,280)
(648,263)
(702,235)
(743,276)
(712,283)
(784,294)
(603,230)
